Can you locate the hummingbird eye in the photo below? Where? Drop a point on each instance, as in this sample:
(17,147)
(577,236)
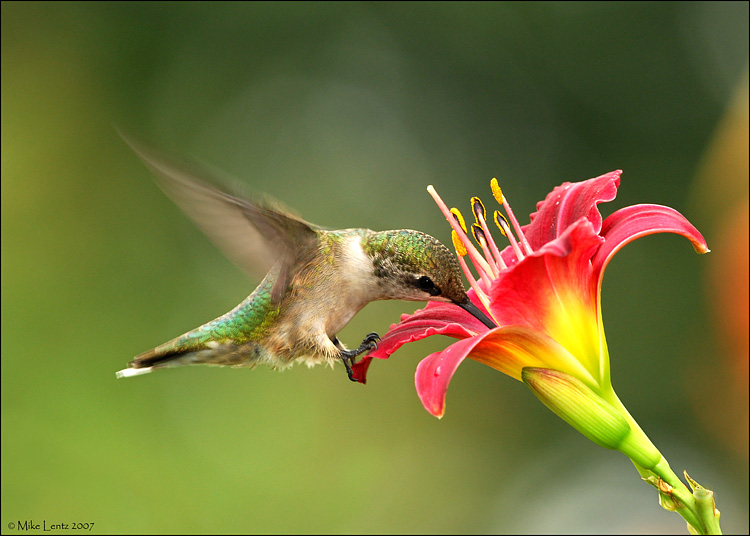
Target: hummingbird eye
(425,283)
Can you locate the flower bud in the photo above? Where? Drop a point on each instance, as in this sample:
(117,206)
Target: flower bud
(578,405)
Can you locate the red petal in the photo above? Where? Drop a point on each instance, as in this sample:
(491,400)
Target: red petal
(433,375)
(568,203)
(635,221)
(526,294)
(554,292)
(508,350)
(435,371)
(359,369)
(436,318)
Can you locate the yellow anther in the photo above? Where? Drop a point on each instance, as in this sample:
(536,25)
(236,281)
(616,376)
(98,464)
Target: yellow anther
(458,244)
(501,222)
(459,218)
(477,207)
(496,191)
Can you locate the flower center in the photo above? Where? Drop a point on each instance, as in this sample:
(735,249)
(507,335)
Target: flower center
(490,261)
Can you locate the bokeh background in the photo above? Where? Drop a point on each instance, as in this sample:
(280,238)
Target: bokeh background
(346,112)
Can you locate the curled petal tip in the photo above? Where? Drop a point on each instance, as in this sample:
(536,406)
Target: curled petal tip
(435,409)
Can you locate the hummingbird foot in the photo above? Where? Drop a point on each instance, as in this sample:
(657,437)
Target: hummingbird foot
(347,356)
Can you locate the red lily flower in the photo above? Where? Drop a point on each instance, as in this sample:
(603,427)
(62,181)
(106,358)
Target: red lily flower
(543,292)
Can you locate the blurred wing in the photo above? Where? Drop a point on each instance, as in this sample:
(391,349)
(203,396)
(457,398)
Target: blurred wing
(251,235)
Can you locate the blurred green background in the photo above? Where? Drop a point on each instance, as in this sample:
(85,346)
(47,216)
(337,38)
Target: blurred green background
(346,112)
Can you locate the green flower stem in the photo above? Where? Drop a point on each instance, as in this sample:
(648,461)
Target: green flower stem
(600,416)
(704,502)
(697,508)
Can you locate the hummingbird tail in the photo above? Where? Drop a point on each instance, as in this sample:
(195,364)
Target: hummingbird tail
(179,353)
(129,372)
(148,361)
(155,358)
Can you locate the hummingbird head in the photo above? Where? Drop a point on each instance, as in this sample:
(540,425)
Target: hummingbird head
(412,265)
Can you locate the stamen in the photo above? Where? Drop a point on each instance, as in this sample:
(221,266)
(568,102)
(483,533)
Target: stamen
(481,219)
(460,248)
(476,258)
(503,224)
(474,284)
(477,207)
(481,238)
(498,193)
(459,218)
(490,266)
(498,217)
(478,233)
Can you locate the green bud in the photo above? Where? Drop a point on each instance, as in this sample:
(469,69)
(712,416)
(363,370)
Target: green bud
(578,405)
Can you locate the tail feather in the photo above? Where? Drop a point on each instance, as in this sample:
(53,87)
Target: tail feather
(148,361)
(155,357)
(177,353)
(129,372)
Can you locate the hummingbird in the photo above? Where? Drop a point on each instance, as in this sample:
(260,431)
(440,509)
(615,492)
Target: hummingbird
(316,281)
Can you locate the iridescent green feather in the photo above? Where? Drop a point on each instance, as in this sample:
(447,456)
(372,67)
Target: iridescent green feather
(247,322)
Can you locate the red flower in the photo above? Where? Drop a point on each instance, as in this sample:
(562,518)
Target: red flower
(542,291)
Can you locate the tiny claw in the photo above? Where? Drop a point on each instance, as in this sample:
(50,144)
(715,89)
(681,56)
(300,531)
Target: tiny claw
(369,343)
(372,336)
(348,362)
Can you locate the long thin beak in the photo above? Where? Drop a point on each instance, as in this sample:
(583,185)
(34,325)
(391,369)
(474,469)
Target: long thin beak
(474,311)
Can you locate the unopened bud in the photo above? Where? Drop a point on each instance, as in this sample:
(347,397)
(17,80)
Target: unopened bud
(578,405)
